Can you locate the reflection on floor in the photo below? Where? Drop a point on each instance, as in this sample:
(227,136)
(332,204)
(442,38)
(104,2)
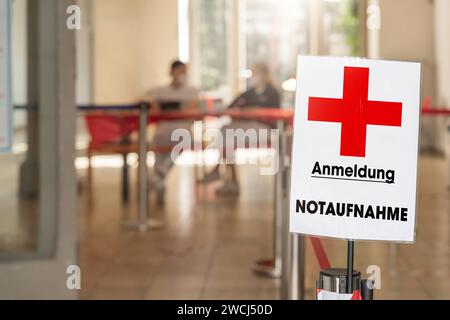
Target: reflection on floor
(208,244)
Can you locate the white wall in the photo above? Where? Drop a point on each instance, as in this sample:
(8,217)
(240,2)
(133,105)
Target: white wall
(442,34)
(442,47)
(407,33)
(135,41)
(84,46)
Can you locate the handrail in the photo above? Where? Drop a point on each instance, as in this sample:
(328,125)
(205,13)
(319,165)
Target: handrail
(87,107)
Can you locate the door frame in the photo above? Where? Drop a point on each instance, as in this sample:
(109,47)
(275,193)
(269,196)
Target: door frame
(42,274)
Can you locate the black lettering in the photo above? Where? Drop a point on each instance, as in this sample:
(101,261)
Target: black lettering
(381,211)
(314,205)
(337,171)
(352,210)
(340,209)
(369,213)
(404,214)
(348,171)
(359,211)
(321,205)
(349,209)
(330,209)
(371,173)
(393,213)
(300,206)
(362,172)
(316,169)
(390,176)
(380,174)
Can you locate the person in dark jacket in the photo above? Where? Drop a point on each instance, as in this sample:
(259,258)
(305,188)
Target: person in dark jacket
(261,94)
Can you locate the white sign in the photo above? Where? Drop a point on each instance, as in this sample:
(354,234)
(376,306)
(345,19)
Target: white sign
(354,166)
(5,77)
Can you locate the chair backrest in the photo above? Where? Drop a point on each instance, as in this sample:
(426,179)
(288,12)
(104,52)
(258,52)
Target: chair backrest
(109,128)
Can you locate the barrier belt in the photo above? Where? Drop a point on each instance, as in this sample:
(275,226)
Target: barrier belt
(320,253)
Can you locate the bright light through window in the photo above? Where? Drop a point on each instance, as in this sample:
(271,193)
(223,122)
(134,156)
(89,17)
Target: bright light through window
(183,30)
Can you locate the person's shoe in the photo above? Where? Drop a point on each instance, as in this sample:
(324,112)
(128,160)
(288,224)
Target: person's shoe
(210,177)
(230,187)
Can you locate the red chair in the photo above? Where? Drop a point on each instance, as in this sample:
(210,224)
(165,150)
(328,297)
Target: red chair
(110,134)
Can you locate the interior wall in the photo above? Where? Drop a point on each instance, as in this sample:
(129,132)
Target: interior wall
(84,47)
(442,34)
(442,48)
(407,33)
(134,43)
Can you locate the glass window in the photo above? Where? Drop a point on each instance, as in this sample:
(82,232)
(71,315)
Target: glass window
(341,28)
(276,32)
(270,31)
(211,51)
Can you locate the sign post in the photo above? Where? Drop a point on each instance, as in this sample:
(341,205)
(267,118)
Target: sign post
(350,258)
(5,77)
(355,150)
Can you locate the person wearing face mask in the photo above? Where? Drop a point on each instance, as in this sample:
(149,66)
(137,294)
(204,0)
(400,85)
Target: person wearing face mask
(261,94)
(177,95)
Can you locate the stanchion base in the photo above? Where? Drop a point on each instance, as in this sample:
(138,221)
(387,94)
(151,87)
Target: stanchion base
(150,224)
(267,268)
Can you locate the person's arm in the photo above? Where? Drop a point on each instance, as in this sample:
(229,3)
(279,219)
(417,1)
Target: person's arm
(239,102)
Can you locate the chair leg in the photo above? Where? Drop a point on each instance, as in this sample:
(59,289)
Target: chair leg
(89,190)
(89,172)
(125,179)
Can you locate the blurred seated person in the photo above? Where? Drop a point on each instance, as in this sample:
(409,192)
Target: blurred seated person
(261,94)
(177,95)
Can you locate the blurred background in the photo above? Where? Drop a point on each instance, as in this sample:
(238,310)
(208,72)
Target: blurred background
(67,192)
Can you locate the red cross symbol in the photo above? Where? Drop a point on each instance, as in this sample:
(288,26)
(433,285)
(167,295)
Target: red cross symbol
(354,111)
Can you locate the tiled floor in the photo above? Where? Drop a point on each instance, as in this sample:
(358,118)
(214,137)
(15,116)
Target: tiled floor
(208,244)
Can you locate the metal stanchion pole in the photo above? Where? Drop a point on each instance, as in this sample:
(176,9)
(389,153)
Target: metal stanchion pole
(300,266)
(143,223)
(278,206)
(287,258)
(292,286)
(350,255)
(125,180)
(297,258)
(274,269)
(296,290)
(289,254)
(283,235)
(143,169)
